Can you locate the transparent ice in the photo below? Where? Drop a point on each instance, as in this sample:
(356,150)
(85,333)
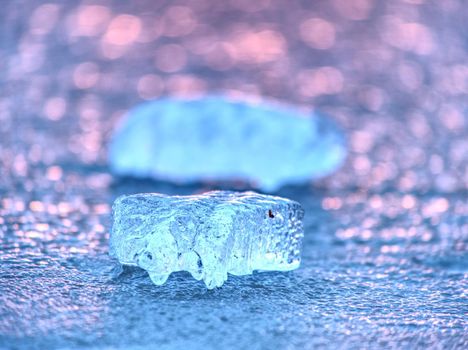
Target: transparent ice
(208,235)
(214,138)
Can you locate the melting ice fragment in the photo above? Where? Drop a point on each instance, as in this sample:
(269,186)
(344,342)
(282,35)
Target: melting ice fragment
(214,138)
(208,235)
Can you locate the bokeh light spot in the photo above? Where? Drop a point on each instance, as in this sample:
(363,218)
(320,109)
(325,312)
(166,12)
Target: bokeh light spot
(150,86)
(86,75)
(354,9)
(55,108)
(44,18)
(123,30)
(322,81)
(318,33)
(170,58)
(89,20)
(178,21)
(259,47)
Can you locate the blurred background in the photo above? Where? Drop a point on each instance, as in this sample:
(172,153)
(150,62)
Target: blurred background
(393,74)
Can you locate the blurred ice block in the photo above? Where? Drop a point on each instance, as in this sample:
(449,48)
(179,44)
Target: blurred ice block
(208,235)
(214,138)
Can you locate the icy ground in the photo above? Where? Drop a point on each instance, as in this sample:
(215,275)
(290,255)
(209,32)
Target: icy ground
(377,270)
(385,245)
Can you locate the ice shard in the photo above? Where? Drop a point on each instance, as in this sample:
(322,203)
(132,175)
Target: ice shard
(214,138)
(209,235)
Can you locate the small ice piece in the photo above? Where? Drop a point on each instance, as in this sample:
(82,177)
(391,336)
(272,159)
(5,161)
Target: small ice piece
(208,235)
(214,138)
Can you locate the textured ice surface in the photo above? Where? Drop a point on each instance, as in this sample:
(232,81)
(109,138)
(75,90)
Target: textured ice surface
(214,138)
(208,235)
(384,263)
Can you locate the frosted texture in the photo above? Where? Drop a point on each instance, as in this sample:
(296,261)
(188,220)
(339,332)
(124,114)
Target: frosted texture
(217,139)
(208,235)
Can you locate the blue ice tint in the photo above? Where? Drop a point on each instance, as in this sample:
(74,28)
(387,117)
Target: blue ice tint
(214,138)
(208,235)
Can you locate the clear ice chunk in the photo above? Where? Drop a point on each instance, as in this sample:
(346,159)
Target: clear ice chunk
(214,138)
(208,235)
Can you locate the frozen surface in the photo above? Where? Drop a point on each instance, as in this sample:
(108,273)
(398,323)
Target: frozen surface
(384,259)
(216,138)
(208,235)
(387,269)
